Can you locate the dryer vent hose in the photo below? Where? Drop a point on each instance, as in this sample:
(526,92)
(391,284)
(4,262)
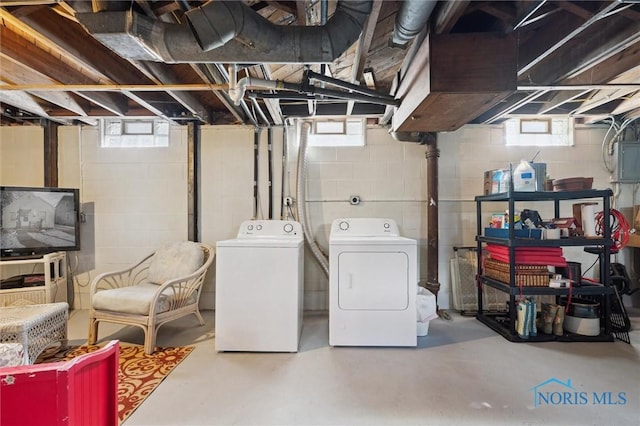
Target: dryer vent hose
(301,205)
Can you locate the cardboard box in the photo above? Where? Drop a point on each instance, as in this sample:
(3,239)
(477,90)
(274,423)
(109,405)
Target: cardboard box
(634,240)
(493,181)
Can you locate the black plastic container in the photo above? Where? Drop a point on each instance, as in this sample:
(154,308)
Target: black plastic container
(573,271)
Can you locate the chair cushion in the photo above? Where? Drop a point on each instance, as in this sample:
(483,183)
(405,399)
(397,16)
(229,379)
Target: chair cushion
(11,354)
(174,261)
(132,300)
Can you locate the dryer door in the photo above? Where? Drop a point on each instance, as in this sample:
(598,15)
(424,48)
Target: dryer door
(373,281)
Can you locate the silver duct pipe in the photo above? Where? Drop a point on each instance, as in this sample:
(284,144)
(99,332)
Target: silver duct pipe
(301,206)
(226,31)
(411,19)
(415,137)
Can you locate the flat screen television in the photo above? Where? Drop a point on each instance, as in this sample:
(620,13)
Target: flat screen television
(38,220)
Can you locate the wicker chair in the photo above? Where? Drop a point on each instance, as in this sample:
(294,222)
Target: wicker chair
(164,286)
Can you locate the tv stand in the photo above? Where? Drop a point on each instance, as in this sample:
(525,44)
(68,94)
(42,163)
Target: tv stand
(53,272)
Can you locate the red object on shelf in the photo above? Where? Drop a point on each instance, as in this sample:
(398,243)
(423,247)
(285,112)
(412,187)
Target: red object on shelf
(529,255)
(79,392)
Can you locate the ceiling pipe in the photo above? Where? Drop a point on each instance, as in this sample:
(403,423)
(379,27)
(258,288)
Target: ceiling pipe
(237,92)
(410,20)
(226,31)
(349,86)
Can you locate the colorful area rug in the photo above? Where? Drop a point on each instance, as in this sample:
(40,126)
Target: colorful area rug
(139,375)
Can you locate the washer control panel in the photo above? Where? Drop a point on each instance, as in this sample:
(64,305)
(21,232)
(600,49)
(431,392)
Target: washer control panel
(269,228)
(365,227)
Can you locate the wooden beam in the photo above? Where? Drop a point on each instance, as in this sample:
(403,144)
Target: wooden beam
(301,12)
(504,11)
(55,66)
(221,94)
(116,87)
(579,11)
(629,104)
(560,98)
(193,170)
(51,154)
(433,207)
(626,62)
(553,70)
(146,105)
(364,43)
(618,90)
(73,39)
(602,97)
(20,74)
(453,78)
(447,15)
(22,100)
(114,102)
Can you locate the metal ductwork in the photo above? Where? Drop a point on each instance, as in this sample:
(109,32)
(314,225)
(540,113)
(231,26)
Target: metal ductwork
(411,19)
(227,31)
(415,137)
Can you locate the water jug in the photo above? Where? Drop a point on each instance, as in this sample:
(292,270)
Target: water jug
(524,177)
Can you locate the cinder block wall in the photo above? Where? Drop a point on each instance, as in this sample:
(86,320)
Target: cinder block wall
(136,199)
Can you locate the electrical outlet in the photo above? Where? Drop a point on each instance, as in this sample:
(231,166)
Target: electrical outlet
(288,201)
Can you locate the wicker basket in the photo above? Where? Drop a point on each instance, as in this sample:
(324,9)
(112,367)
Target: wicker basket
(526,275)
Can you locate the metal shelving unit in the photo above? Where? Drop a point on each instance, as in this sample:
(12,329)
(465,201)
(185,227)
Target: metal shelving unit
(505,324)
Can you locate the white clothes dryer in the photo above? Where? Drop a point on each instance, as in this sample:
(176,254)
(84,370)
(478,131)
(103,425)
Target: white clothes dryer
(259,288)
(373,279)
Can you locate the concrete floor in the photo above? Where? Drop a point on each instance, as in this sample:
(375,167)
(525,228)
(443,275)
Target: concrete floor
(462,373)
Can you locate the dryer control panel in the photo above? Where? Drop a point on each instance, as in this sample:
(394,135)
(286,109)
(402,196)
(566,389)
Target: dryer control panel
(269,228)
(365,227)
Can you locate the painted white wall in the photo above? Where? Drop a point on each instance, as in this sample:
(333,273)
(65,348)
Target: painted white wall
(136,199)
(227,185)
(388,176)
(21,155)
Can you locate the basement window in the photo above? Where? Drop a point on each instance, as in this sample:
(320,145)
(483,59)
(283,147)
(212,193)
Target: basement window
(337,132)
(123,133)
(543,131)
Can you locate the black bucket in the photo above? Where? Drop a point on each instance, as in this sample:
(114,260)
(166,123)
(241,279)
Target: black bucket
(573,271)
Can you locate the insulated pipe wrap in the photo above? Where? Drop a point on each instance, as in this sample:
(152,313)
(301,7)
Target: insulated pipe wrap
(224,31)
(216,23)
(411,19)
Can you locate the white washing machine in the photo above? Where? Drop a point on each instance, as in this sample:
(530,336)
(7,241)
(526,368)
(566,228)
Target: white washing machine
(373,279)
(259,288)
